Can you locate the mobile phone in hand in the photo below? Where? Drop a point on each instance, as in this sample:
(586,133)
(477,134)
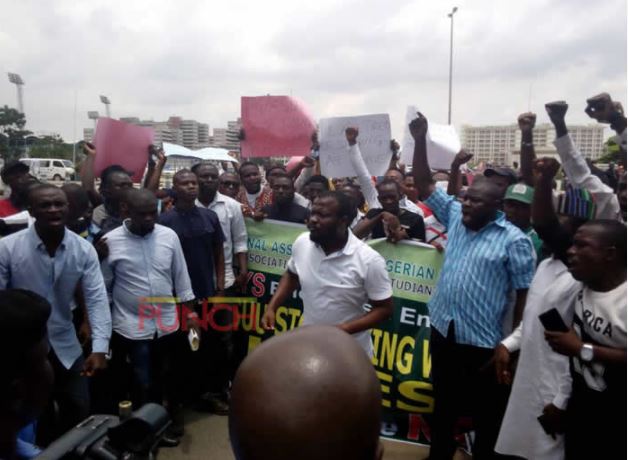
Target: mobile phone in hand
(552,321)
(546,428)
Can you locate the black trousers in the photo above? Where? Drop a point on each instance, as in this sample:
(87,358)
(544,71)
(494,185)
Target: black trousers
(464,384)
(214,359)
(596,423)
(147,370)
(69,403)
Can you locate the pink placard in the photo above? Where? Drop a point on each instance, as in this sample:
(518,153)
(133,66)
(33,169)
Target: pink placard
(293,162)
(119,143)
(275,126)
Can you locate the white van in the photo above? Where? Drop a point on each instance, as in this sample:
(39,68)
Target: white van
(50,168)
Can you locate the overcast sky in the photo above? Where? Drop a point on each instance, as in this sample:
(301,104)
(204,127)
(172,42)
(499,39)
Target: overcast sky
(340,57)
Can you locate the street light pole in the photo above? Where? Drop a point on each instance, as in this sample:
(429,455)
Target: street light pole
(105,100)
(19,83)
(451,57)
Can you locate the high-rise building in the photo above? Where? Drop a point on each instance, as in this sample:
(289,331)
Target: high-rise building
(500,144)
(227,138)
(219,138)
(203,135)
(189,133)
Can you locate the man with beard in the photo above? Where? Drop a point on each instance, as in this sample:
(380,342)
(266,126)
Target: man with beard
(337,273)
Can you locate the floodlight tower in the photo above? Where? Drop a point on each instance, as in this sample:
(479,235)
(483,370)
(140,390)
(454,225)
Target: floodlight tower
(19,83)
(105,100)
(93,115)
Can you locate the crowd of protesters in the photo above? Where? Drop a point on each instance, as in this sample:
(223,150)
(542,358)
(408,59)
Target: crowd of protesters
(103,290)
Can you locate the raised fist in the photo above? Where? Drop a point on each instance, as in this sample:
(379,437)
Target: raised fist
(526,121)
(556,111)
(352,135)
(546,168)
(461,158)
(418,127)
(601,108)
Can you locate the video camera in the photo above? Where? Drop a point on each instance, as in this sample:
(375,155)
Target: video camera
(106,437)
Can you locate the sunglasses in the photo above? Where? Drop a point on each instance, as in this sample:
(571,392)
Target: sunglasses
(230,184)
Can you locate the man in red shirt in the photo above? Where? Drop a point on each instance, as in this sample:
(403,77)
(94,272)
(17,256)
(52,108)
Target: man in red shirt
(15,175)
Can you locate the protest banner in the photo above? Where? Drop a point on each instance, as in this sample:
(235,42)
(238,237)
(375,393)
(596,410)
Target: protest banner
(119,143)
(374,142)
(275,126)
(401,344)
(443,143)
(207,153)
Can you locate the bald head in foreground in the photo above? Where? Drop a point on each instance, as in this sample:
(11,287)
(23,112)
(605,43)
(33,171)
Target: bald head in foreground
(311,393)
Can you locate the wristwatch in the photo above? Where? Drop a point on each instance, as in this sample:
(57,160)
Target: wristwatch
(586,353)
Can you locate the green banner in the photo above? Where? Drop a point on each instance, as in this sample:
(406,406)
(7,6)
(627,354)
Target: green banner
(401,344)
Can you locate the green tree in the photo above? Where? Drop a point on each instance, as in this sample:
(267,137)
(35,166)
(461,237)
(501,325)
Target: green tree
(12,133)
(49,147)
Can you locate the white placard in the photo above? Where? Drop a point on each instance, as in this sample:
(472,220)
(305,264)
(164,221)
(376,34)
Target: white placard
(208,153)
(443,143)
(374,142)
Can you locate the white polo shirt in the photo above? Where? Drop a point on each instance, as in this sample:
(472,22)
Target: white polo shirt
(335,287)
(229,213)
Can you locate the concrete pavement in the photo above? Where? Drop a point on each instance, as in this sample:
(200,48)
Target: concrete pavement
(207,438)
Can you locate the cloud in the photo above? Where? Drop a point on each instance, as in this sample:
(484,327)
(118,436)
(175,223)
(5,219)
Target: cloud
(195,59)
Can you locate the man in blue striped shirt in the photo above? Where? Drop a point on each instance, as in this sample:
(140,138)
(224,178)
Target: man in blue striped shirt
(487,258)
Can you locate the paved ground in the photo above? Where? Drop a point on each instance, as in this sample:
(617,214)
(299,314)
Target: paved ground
(207,438)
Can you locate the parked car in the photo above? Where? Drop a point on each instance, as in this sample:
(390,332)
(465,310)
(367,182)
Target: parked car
(50,168)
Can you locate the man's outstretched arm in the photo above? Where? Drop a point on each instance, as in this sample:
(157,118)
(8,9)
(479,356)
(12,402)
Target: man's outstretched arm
(526,123)
(420,166)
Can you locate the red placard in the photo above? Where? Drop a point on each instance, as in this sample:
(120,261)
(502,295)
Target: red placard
(119,143)
(275,126)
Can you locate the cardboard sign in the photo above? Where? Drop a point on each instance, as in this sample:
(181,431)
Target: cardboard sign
(275,126)
(119,143)
(373,140)
(443,143)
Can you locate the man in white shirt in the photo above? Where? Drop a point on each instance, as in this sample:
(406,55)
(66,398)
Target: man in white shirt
(219,343)
(364,178)
(576,169)
(337,273)
(542,382)
(144,271)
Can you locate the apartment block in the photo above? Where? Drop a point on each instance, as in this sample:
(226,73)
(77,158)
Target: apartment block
(500,144)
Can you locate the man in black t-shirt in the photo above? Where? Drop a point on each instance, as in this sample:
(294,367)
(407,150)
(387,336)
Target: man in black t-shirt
(284,208)
(390,221)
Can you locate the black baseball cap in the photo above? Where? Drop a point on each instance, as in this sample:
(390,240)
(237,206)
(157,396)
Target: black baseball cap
(503,171)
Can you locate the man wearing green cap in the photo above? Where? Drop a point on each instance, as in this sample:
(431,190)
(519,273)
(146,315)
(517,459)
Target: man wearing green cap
(518,210)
